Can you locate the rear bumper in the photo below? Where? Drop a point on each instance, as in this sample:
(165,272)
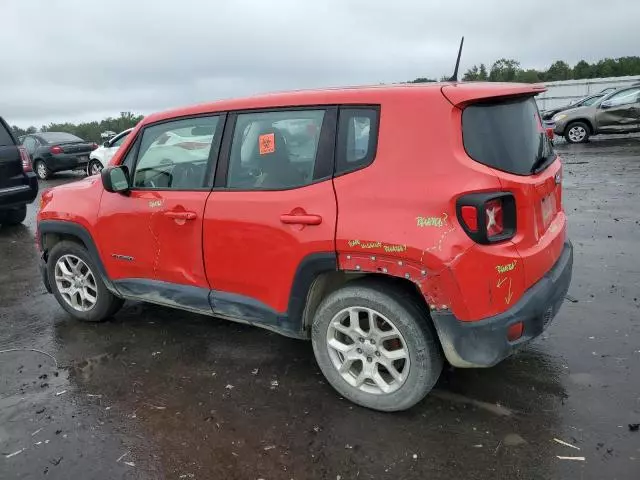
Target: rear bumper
(16,196)
(69,161)
(484,343)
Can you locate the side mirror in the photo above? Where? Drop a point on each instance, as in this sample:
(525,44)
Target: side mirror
(605,105)
(116,179)
(106,144)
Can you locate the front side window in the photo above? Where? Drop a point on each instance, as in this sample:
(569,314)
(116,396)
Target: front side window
(274,150)
(119,141)
(175,155)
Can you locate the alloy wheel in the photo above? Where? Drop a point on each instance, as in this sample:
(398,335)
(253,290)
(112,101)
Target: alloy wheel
(76,283)
(95,168)
(368,350)
(577,133)
(42,170)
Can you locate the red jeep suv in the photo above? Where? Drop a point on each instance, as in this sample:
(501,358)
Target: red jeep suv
(394,226)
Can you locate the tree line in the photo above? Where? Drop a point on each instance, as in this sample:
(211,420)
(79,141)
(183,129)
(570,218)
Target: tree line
(89,131)
(509,70)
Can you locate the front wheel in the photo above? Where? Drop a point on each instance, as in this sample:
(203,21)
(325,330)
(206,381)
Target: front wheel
(375,345)
(77,285)
(577,132)
(94,167)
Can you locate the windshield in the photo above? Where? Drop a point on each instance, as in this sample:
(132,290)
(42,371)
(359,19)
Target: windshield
(590,101)
(507,135)
(59,137)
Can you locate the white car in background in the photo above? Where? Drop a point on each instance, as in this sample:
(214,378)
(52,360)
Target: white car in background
(101,155)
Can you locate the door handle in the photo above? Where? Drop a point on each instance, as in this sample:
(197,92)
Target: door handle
(181,215)
(300,219)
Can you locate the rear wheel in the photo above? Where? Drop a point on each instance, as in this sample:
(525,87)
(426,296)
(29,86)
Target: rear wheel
(577,132)
(376,347)
(94,167)
(14,217)
(77,285)
(41,170)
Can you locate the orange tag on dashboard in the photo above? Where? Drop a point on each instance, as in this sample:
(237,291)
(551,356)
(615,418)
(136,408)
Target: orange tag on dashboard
(267,143)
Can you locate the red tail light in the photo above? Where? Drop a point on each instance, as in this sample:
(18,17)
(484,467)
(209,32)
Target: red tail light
(26,160)
(470,217)
(487,217)
(56,150)
(94,146)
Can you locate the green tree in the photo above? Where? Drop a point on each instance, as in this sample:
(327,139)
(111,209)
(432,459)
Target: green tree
(482,74)
(423,80)
(504,70)
(528,76)
(559,71)
(582,70)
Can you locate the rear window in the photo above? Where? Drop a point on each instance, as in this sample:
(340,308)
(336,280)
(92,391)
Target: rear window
(59,137)
(5,137)
(506,135)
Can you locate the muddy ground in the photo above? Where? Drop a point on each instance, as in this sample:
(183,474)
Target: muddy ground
(159,393)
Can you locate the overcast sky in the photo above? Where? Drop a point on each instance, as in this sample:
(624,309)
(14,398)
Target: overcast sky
(77,60)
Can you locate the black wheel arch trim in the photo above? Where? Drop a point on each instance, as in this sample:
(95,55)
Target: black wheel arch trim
(80,232)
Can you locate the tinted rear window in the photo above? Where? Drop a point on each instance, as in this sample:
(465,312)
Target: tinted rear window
(5,137)
(59,137)
(506,135)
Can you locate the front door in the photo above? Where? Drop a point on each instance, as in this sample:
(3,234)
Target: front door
(620,113)
(151,238)
(272,211)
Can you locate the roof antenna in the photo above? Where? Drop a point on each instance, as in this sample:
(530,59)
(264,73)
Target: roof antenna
(454,77)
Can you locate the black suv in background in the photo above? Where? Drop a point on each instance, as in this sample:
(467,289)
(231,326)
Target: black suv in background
(18,183)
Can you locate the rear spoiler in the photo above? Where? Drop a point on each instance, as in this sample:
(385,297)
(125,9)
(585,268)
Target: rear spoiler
(460,94)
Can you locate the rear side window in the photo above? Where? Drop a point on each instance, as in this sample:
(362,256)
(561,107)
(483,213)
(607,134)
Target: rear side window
(357,138)
(275,150)
(5,137)
(506,135)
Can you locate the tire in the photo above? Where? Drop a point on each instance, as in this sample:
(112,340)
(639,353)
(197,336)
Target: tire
(105,305)
(577,132)
(402,310)
(94,167)
(41,170)
(15,216)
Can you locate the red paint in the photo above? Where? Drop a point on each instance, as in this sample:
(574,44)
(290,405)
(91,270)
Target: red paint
(251,243)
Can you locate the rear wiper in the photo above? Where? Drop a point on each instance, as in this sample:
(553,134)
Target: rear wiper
(541,163)
(542,160)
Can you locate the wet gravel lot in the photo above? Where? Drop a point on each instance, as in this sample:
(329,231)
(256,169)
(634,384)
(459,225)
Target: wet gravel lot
(159,393)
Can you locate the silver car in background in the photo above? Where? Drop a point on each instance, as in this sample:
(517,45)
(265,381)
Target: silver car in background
(617,112)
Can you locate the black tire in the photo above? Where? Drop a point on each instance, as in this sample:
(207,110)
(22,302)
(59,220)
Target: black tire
(409,317)
(93,163)
(15,216)
(106,304)
(41,169)
(577,132)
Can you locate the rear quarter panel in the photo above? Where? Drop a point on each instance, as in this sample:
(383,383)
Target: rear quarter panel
(398,216)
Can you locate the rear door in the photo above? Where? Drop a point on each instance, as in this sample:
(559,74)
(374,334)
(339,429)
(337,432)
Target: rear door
(507,135)
(272,210)
(11,173)
(620,112)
